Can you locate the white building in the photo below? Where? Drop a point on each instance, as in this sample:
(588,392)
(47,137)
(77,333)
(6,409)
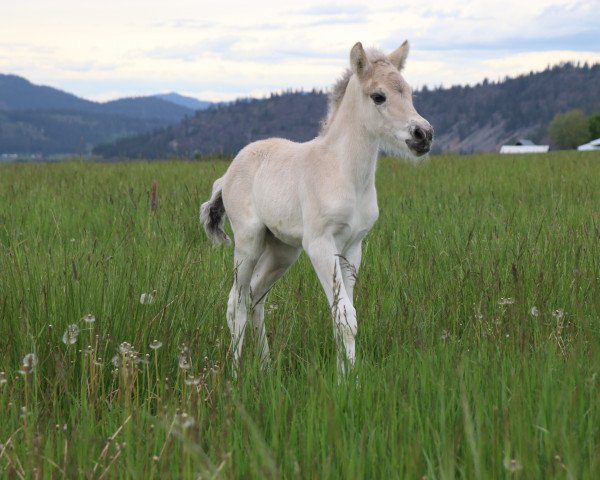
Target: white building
(593,145)
(524,146)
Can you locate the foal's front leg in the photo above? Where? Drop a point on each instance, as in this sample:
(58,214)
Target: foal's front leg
(350,263)
(325,259)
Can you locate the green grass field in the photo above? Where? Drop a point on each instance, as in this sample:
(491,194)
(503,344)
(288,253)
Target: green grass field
(458,376)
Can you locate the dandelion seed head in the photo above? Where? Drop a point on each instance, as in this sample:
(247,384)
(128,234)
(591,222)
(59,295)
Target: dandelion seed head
(155,344)
(187,421)
(558,313)
(184,363)
(512,465)
(125,348)
(71,334)
(147,298)
(28,364)
(534,311)
(191,380)
(89,318)
(506,301)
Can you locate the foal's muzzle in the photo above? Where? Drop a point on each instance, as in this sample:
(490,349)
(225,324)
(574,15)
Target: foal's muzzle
(421,138)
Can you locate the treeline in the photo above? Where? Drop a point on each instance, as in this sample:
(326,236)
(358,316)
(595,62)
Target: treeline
(512,108)
(465,118)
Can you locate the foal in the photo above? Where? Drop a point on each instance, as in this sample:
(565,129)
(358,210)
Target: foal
(282,197)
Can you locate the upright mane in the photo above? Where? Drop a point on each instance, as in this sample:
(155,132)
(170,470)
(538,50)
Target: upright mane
(336,95)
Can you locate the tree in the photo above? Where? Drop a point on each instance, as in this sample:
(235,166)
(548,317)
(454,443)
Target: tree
(594,125)
(570,129)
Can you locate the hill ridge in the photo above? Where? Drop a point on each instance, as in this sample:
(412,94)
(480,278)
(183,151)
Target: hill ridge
(466,118)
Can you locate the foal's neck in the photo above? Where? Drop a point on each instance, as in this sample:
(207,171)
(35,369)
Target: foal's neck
(355,147)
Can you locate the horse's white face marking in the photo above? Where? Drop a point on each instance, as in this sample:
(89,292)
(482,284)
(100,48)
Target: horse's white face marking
(282,197)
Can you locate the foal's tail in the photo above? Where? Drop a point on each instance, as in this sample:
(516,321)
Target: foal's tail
(212,215)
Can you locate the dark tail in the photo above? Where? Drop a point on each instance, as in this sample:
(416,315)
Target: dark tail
(212,215)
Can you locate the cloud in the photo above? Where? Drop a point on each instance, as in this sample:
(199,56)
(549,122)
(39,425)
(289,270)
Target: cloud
(221,46)
(332,10)
(267,46)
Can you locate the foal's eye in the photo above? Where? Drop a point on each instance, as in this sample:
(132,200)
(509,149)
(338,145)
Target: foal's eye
(378,98)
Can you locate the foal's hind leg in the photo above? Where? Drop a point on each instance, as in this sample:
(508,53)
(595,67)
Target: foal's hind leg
(274,262)
(249,244)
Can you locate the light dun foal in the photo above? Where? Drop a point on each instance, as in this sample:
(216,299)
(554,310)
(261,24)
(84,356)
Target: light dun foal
(282,197)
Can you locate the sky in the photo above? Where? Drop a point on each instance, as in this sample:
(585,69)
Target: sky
(222,50)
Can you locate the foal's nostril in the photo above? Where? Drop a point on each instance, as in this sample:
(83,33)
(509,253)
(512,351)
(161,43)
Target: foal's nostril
(419,133)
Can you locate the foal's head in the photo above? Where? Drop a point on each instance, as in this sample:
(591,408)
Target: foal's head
(386,101)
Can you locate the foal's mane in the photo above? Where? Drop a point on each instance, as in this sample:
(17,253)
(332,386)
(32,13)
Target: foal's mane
(336,95)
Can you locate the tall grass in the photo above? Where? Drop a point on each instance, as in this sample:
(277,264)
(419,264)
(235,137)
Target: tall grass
(458,375)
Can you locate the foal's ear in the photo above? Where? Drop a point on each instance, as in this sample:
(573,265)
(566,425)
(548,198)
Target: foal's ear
(398,56)
(358,61)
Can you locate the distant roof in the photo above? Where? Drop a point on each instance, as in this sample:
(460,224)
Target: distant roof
(524,148)
(593,145)
(524,141)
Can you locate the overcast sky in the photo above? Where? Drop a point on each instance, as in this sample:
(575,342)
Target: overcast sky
(220,50)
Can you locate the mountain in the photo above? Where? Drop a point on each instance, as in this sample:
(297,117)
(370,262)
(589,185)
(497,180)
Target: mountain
(465,118)
(184,101)
(45,120)
(17,93)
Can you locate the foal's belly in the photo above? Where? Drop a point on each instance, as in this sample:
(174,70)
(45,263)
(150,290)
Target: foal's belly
(289,236)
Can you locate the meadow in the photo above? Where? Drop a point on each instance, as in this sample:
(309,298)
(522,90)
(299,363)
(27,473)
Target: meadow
(478,345)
